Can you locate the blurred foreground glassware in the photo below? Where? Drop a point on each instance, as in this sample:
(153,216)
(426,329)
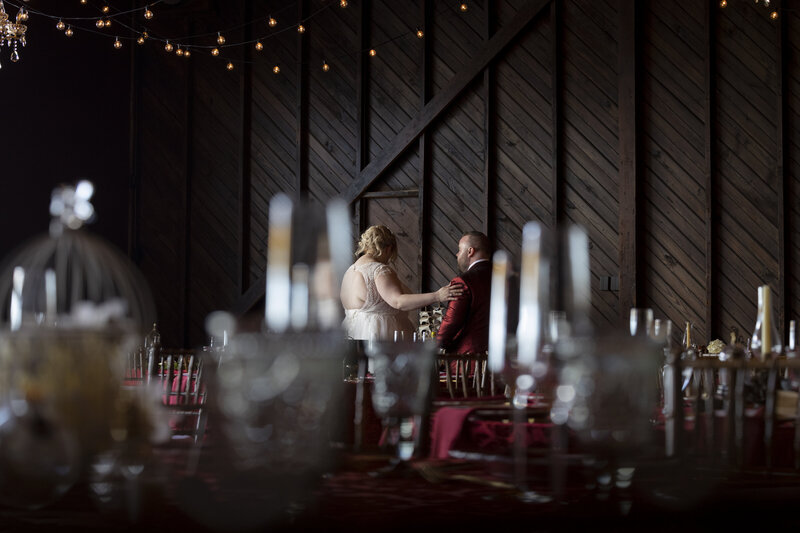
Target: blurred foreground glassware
(532,361)
(765,340)
(276,394)
(641,321)
(401,392)
(74,306)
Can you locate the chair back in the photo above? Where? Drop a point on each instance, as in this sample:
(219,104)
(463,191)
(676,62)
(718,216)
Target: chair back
(466,375)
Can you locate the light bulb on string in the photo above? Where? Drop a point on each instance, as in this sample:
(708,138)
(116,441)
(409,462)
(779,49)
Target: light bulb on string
(179,52)
(373,52)
(168,47)
(343,3)
(147,13)
(773,15)
(215,52)
(60,25)
(276,69)
(117,43)
(723,3)
(220,38)
(187,53)
(301,28)
(463,7)
(140,40)
(229,66)
(84,2)
(420,33)
(69,32)
(106,9)
(325,66)
(107,23)
(259,46)
(272,22)
(100,23)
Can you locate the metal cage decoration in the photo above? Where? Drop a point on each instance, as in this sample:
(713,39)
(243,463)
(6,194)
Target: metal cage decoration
(62,275)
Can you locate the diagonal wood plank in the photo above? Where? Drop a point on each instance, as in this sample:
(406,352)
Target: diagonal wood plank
(442,101)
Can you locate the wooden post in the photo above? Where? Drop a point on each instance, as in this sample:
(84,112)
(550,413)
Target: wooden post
(629,193)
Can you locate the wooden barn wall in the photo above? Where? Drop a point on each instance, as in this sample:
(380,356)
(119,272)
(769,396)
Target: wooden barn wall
(669,131)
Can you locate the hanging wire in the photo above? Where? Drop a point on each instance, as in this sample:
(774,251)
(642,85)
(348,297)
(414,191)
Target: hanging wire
(32,11)
(182,41)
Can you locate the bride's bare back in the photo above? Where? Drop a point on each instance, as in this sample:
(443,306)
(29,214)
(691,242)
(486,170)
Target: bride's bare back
(354,289)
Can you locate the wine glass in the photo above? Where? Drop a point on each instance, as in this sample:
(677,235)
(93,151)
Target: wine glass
(403,373)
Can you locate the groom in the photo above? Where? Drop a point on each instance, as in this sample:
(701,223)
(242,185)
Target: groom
(465,326)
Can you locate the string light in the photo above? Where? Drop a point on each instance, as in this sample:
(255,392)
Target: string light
(463,7)
(276,69)
(187,53)
(221,40)
(773,14)
(723,3)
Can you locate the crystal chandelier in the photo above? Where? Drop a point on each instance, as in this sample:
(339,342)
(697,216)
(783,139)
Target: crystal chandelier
(12,33)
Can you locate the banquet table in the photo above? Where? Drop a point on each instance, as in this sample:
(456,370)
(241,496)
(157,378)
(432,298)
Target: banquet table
(463,478)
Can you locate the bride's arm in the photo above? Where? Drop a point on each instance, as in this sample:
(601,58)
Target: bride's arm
(391,290)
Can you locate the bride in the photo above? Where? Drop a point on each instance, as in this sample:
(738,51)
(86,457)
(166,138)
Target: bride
(376,303)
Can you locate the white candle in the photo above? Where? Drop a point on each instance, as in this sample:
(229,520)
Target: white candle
(299,309)
(340,244)
(50,295)
(498,311)
(17,281)
(529,327)
(278,261)
(579,284)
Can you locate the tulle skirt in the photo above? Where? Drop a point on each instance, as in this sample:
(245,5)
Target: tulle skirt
(363,325)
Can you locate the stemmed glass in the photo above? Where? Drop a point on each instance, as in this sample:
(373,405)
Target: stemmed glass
(403,373)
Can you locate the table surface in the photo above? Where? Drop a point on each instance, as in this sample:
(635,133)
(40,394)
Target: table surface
(461,494)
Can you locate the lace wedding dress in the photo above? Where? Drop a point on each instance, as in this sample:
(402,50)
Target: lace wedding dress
(376,319)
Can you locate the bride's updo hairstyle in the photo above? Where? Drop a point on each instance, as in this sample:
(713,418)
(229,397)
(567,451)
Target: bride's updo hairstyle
(379,242)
